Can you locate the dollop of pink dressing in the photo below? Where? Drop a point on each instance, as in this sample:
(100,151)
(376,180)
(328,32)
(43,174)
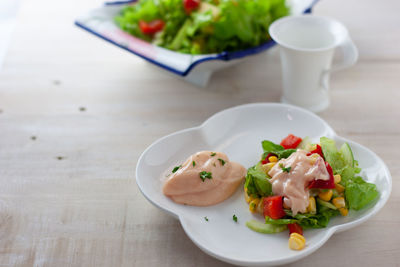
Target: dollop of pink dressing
(186,187)
(291,176)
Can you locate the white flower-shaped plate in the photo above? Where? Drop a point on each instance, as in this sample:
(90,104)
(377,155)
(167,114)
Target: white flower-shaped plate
(238,132)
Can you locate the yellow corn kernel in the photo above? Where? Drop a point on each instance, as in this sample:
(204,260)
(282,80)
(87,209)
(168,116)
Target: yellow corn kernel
(312,208)
(253,204)
(337,178)
(313,158)
(252,198)
(339,202)
(339,188)
(344,211)
(296,241)
(273,159)
(246,196)
(267,167)
(284,204)
(260,206)
(311,147)
(325,195)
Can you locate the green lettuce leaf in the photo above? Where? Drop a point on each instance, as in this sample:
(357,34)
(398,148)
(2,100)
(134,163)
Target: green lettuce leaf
(360,193)
(257,182)
(318,220)
(270,147)
(200,20)
(332,154)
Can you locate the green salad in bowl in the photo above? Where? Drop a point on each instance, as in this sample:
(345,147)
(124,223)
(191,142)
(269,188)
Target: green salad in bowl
(202,26)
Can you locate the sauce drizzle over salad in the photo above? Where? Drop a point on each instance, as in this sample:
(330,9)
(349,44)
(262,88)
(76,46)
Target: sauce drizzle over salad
(293,183)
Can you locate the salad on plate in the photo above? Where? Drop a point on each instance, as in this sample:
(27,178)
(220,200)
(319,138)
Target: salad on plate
(202,26)
(299,185)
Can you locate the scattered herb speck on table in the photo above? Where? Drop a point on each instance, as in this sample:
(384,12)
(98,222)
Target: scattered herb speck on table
(234,218)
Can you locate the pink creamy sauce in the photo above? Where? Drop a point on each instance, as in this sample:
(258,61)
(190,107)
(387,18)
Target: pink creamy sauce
(186,187)
(293,184)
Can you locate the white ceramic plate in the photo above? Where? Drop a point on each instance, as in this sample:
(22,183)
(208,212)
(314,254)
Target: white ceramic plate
(238,132)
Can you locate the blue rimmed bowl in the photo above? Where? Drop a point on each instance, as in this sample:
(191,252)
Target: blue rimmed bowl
(196,69)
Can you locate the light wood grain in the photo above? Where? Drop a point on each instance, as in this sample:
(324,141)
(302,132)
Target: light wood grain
(86,210)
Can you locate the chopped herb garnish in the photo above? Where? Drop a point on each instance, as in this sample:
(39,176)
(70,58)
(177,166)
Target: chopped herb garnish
(33,138)
(193,163)
(234,217)
(60,158)
(285,169)
(214,164)
(176,168)
(205,175)
(205,218)
(222,162)
(213,154)
(82,109)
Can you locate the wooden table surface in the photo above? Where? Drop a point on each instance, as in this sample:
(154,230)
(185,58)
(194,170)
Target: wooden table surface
(76,113)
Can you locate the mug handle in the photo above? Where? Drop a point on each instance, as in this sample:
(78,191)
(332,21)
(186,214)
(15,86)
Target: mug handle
(349,58)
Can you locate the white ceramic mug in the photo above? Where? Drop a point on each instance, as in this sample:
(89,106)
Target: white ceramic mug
(307,45)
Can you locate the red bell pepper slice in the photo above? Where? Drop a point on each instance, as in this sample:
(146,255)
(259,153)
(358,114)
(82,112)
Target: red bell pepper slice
(291,141)
(273,207)
(324,184)
(318,151)
(295,228)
